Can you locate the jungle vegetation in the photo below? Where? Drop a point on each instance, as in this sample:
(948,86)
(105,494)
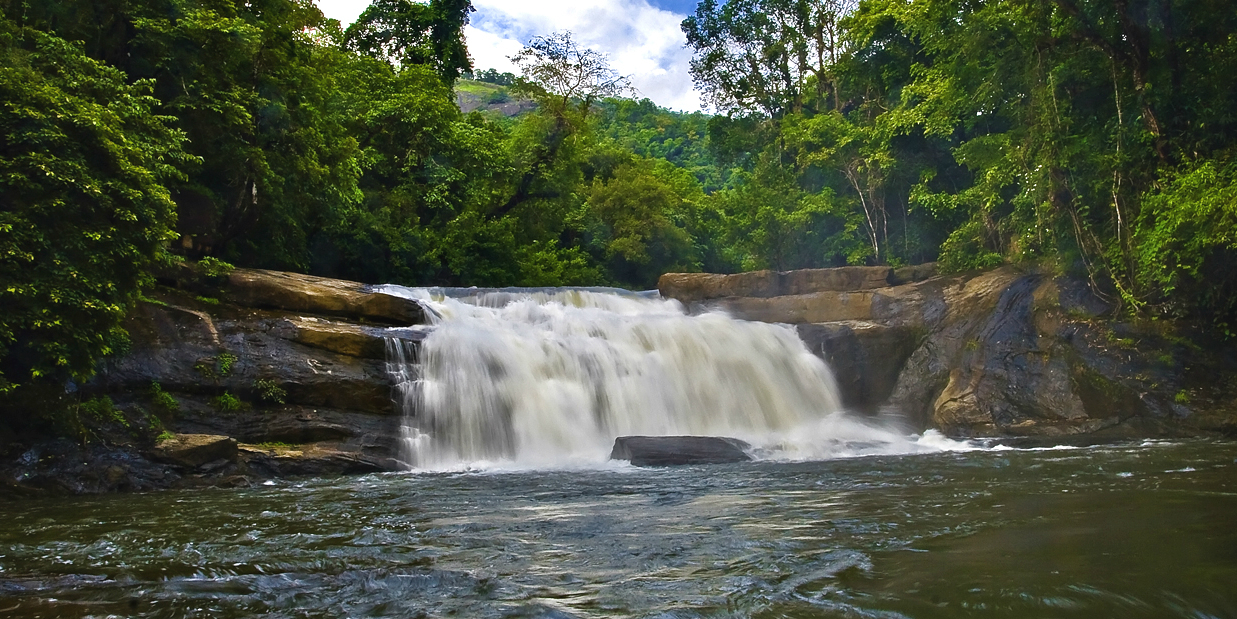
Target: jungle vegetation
(1093,136)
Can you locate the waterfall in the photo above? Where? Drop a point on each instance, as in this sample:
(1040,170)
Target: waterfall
(552,377)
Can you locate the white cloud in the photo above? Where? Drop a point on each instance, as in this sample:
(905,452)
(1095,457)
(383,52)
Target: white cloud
(346,11)
(643,42)
(491,51)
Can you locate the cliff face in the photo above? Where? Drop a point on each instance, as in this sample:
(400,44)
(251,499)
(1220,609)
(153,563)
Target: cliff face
(269,374)
(996,353)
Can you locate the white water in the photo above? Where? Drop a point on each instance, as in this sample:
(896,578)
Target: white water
(550,379)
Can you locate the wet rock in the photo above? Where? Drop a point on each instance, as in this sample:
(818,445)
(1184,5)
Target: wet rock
(679,450)
(317,459)
(866,358)
(195,450)
(181,351)
(338,337)
(320,295)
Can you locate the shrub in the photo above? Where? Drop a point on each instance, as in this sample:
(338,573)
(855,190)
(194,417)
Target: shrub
(269,391)
(163,400)
(228,403)
(214,267)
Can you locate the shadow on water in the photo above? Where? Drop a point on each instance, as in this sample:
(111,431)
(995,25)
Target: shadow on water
(1129,531)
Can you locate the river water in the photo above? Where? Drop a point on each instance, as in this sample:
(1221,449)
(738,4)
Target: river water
(1137,530)
(511,508)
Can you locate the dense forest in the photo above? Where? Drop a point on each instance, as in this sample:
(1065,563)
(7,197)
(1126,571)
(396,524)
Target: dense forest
(1095,137)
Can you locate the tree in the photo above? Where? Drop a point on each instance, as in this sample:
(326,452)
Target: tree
(638,217)
(405,33)
(548,146)
(256,93)
(556,71)
(83,159)
(767,55)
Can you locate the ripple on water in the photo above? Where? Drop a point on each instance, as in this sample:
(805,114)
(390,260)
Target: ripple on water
(936,535)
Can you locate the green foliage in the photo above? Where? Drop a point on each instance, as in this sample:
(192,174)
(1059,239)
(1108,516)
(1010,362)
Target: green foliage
(216,367)
(492,76)
(224,363)
(275,446)
(774,56)
(414,33)
(162,400)
(102,410)
(1187,235)
(84,215)
(228,403)
(637,220)
(966,249)
(214,267)
(269,391)
(164,436)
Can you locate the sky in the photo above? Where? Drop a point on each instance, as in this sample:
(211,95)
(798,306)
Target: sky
(641,37)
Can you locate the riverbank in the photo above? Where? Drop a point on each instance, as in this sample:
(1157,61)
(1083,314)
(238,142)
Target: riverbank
(231,380)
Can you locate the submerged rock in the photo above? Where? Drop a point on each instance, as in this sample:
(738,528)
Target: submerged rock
(678,450)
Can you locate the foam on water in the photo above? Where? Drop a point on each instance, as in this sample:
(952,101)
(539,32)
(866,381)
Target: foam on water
(548,378)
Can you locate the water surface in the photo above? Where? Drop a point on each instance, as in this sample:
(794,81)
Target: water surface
(1140,530)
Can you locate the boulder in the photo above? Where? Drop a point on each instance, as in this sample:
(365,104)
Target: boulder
(194,450)
(306,358)
(913,273)
(320,295)
(679,450)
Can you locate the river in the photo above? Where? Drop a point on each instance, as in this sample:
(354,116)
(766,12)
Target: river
(1136,530)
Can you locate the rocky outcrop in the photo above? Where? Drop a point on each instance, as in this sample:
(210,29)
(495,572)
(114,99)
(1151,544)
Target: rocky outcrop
(679,450)
(866,357)
(696,287)
(193,451)
(236,378)
(1003,353)
(320,295)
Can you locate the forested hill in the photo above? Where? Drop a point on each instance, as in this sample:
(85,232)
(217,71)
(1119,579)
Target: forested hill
(1088,136)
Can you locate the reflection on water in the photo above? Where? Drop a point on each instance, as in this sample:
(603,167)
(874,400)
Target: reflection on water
(1124,531)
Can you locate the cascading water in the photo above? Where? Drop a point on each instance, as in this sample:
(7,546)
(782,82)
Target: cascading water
(550,378)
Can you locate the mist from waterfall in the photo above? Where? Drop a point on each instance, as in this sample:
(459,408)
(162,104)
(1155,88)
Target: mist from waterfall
(549,378)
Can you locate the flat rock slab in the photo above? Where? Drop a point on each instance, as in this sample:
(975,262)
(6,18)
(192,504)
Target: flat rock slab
(679,450)
(320,295)
(195,450)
